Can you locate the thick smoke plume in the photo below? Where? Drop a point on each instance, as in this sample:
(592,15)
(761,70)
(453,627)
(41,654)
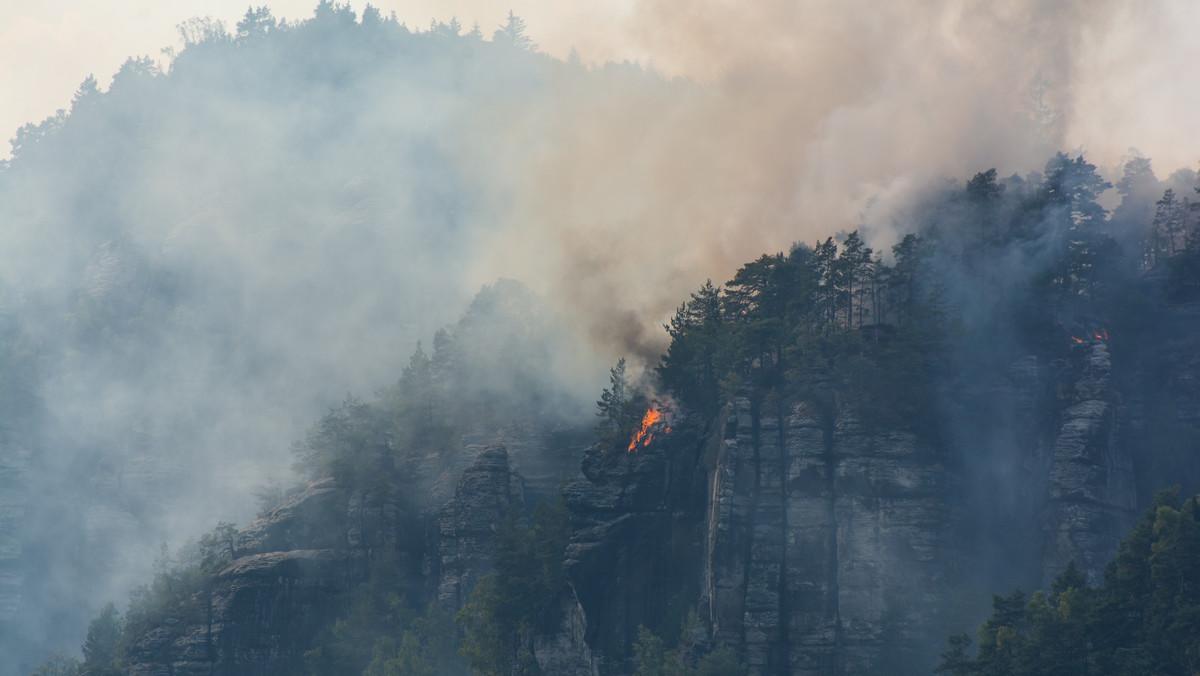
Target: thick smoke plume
(815,117)
(198,261)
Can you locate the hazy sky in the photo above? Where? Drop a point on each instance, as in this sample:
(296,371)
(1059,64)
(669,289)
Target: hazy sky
(1121,78)
(48,48)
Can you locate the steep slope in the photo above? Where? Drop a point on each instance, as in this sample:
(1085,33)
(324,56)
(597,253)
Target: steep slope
(293,570)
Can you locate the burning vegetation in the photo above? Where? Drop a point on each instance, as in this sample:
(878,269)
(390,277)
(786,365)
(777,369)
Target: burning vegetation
(653,421)
(1098,334)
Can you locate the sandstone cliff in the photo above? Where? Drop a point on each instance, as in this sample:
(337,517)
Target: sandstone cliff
(294,568)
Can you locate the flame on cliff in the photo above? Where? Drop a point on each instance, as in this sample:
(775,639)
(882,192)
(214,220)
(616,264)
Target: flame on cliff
(645,433)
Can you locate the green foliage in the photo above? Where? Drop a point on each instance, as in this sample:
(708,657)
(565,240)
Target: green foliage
(694,362)
(1074,185)
(720,662)
(491,368)
(377,610)
(429,647)
(100,646)
(1143,619)
(177,593)
(955,660)
(420,403)
(654,659)
(506,605)
(882,338)
(218,547)
(350,443)
(1183,275)
(620,408)
(59,665)
(181,590)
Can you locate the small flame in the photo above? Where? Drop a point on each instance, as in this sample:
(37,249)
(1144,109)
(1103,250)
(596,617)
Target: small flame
(1102,334)
(645,433)
(1077,340)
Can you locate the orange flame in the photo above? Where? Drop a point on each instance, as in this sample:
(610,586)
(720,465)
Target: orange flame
(645,433)
(1077,340)
(1102,334)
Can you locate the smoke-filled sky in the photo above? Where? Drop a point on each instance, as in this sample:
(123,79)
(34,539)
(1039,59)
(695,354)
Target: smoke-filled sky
(613,194)
(807,117)
(810,117)
(909,79)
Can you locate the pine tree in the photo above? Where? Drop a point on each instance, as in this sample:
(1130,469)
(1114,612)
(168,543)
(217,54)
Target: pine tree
(99,648)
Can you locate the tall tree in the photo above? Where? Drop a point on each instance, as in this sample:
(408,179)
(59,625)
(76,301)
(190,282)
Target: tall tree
(620,406)
(513,33)
(1167,227)
(1073,186)
(99,648)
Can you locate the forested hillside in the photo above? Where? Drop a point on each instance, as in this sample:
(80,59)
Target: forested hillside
(199,262)
(920,373)
(1141,620)
(316,359)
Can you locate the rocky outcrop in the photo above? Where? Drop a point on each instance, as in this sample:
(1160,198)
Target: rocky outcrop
(294,568)
(811,541)
(292,572)
(561,648)
(1177,360)
(257,621)
(812,530)
(1092,498)
(268,607)
(486,492)
(637,540)
(313,518)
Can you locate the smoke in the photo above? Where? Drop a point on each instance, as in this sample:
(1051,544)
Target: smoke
(806,113)
(208,258)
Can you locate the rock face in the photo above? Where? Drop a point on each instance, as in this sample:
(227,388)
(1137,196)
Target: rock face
(812,542)
(1092,497)
(314,518)
(257,622)
(485,493)
(637,542)
(797,547)
(562,648)
(292,572)
(815,544)
(813,529)
(295,567)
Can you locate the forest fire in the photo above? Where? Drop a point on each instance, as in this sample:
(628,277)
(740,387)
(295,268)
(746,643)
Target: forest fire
(645,433)
(1098,334)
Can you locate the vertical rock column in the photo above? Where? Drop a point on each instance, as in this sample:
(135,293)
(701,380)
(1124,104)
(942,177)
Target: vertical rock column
(895,553)
(824,540)
(765,619)
(812,555)
(466,524)
(1092,496)
(730,528)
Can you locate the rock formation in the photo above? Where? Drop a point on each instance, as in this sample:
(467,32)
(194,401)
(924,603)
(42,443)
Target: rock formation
(1091,500)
